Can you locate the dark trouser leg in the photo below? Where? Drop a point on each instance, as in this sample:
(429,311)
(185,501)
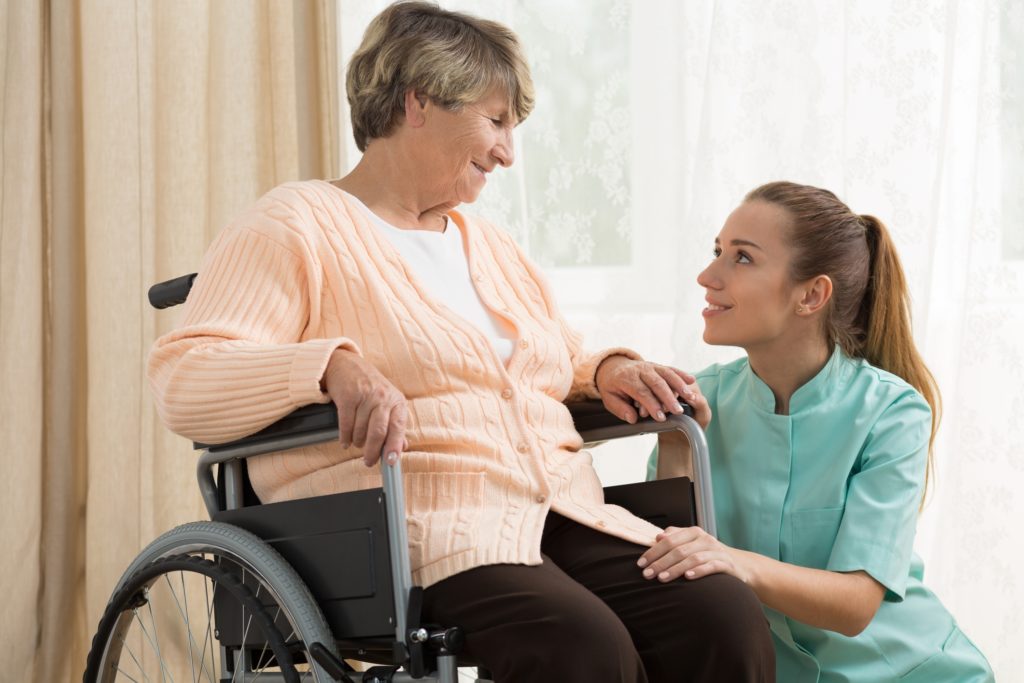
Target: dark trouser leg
(711,629)
(535,624)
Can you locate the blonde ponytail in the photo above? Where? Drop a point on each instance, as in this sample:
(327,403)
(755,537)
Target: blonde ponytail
(885,317)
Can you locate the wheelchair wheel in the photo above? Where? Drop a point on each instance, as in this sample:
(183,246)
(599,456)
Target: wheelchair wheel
(209,602)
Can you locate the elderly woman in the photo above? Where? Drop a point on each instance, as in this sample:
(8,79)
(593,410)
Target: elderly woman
(440,343)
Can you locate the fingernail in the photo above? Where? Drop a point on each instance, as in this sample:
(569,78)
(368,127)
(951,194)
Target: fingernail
(678,408)
(367,462)
(392,458)
(690,573)
(648,572)
(663,576)
(345,445)
(642,562)
(661,415)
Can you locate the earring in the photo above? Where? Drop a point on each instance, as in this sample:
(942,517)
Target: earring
(801,309)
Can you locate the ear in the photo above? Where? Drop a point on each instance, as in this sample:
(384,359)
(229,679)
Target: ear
(816,293)
(415,108)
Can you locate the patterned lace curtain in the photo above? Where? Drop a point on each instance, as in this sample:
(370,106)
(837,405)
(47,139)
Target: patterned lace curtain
(655,117)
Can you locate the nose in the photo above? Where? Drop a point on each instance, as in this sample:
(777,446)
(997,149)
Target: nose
(707,278)
(504,149)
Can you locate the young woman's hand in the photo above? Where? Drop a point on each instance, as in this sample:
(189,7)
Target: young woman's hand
(372,412)
(701,409)
(692,553)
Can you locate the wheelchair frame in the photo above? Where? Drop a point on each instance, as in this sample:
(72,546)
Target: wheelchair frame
(412,644)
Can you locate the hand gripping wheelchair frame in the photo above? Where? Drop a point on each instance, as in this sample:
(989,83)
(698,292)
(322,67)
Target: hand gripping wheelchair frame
(289,591)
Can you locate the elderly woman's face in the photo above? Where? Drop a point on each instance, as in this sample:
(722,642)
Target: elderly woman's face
(461,147)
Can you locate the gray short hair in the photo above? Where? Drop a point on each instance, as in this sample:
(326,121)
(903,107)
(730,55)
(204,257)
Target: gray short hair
(451,57)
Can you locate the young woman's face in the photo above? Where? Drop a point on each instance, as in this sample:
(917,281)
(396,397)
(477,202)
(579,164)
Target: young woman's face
(752,301)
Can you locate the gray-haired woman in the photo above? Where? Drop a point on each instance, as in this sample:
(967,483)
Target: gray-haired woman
(438,340)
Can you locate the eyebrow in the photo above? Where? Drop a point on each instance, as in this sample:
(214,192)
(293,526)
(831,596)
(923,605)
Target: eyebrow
(741,243)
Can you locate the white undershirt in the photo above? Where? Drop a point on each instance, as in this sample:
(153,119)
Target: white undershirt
(439,261)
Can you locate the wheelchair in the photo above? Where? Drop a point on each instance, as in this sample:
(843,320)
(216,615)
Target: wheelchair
(297,590)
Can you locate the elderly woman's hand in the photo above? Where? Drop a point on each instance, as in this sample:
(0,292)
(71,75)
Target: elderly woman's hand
(371,411)
(628,385)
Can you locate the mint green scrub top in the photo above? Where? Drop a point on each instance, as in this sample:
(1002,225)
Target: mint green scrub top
(836,485)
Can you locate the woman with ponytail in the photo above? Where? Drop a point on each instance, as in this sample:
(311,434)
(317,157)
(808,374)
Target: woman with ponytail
(821,445)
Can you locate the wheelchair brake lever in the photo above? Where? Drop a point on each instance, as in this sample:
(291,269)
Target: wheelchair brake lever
(416,636)
(330,663)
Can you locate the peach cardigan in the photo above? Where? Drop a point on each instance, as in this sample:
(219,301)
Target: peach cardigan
(491,447)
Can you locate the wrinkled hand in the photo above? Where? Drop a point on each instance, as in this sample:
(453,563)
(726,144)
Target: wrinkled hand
(631,388)
(372,412)
(693,553)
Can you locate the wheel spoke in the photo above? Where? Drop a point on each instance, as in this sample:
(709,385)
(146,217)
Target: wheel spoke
(184,615)
(188,627)
(125,674)
(259,659)
(208,637)
(246,623)
(125,646)
(154,643)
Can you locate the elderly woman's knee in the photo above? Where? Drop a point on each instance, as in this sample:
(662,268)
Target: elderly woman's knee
(595,649)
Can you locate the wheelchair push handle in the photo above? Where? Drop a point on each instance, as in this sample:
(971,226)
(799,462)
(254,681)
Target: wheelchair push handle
(171,292)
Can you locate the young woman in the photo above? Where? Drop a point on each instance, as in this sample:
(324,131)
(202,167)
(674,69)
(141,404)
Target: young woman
(820,445)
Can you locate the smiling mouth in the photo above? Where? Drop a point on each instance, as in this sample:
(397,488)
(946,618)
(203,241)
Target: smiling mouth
(713,310)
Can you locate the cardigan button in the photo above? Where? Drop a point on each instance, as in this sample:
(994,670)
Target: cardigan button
(601,523)
(522,447)
(506,393)
(523,343)
(542,498)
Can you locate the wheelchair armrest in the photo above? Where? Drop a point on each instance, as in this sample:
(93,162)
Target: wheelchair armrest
(595,423)
(313,418)
(591,418)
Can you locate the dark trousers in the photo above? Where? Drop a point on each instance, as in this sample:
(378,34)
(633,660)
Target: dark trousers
(587,614)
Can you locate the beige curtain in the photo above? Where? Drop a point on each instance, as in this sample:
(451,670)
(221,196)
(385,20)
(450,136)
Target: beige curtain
(131,133)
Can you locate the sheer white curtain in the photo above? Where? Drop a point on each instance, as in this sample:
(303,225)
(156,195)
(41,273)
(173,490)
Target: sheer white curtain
(655,117)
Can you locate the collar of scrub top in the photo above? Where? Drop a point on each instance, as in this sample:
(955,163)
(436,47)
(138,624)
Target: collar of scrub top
(814,394)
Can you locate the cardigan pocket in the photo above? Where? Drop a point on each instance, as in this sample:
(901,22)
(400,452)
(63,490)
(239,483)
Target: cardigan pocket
(814,535)
(443,511)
